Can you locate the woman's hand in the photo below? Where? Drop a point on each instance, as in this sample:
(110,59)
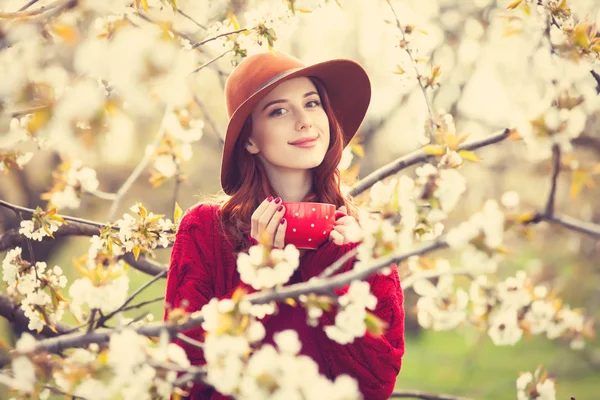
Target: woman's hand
(267,223)
(346,229)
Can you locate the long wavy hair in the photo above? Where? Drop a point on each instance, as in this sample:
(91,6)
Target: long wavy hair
(254,185)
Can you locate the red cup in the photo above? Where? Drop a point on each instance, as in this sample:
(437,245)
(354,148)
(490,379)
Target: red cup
(308,224)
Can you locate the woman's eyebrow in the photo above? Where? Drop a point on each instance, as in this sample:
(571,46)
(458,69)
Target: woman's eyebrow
(285,100)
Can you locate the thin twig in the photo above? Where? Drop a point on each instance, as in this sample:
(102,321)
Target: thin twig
(103,195)
(576,225)
(400,394)
(105,318)
(206,64)
(141,166)
(210,120)
(23,13)
(416,157)
(29,4)
(143,303)
(333,268)
(414,63)
(65,217)
(198,44)
(190,18)
(189,340)
(556,170)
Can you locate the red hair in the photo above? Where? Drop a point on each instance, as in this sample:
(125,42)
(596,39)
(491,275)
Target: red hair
(254,185)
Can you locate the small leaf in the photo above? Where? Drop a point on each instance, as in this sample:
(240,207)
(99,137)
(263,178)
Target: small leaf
(291,302)
(145,5)
(177,213)
(173,4)
(233,19)
(136,252)
(358,149)
(399,70)
(469,155)
(143,211)
(375,325)
(514,5)
(434,150)
(66,32)
(526,217)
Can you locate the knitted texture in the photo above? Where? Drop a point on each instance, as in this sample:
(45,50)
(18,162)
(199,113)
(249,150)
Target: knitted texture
(203,266)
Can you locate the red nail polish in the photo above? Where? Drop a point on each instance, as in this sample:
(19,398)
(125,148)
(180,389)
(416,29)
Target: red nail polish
(282,221)
(270,198)
(280,208)
(277,200)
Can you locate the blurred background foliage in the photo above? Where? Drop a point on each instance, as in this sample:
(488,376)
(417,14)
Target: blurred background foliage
(484,83)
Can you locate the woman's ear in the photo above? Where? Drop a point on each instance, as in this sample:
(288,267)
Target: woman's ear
(251,147)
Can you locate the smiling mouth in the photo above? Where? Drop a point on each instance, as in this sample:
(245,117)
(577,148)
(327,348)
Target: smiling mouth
(305,143)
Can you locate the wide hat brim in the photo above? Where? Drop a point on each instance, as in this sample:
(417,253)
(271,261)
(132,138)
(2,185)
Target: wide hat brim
(349,91)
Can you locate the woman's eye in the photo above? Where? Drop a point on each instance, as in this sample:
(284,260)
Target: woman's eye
(316,103)
(276,112)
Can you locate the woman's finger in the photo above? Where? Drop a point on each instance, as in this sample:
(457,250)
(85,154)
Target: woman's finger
(347,220)
(279,241)
(267,215)
(256,216)
(274,223)
(336,237)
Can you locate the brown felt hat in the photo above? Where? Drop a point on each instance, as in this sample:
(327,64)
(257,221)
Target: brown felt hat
(346,82)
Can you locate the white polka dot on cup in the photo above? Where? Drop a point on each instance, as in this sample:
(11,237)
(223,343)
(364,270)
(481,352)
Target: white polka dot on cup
(312,225)
(294,230)
(314,209)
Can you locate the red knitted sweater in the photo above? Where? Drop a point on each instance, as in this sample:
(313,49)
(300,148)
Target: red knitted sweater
(203,266)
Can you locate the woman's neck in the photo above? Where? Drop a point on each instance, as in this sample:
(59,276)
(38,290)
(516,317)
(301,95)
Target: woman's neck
(291,185)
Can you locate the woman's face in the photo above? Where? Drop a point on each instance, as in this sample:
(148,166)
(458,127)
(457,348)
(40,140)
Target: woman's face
(290,129)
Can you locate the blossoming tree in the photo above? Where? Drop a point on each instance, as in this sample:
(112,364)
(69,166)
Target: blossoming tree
(76,74)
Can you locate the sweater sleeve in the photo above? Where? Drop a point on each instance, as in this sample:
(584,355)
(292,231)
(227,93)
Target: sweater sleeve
(190,280)
(373,361)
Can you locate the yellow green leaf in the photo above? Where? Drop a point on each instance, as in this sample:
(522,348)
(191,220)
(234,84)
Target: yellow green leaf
(233,20)
(358,149)
(136,252)
(399,70)
(290,301)
(64,31)
(145,5)
(177,213)
(580,179)
(143,211)
(514,5)
(469,155)
(375,325)
(173,4)
(526,217)
(434,150)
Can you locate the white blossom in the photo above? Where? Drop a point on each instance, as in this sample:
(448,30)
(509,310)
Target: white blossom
(261,270)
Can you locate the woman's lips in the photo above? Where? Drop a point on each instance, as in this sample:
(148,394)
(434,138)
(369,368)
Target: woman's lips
(306,144)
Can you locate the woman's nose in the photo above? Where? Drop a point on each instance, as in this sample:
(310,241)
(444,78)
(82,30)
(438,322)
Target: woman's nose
(303,121)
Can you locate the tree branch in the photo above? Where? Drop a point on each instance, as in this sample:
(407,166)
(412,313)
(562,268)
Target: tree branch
(13,238)
(410,280)
(140,167)
(427,99)
(145,265)
(399,394)
(206,64)
(23,13)
(597,78)
(55,345)
(416,157)
(105,318)
(556,170)
(13,313)
(198,44)
(65,217)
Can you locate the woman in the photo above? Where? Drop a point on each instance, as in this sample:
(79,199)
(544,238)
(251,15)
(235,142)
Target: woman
(288,125)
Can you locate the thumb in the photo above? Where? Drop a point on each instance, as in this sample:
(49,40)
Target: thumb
(343,209)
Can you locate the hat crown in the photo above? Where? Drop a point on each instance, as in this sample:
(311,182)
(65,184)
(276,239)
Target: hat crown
(253,73)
